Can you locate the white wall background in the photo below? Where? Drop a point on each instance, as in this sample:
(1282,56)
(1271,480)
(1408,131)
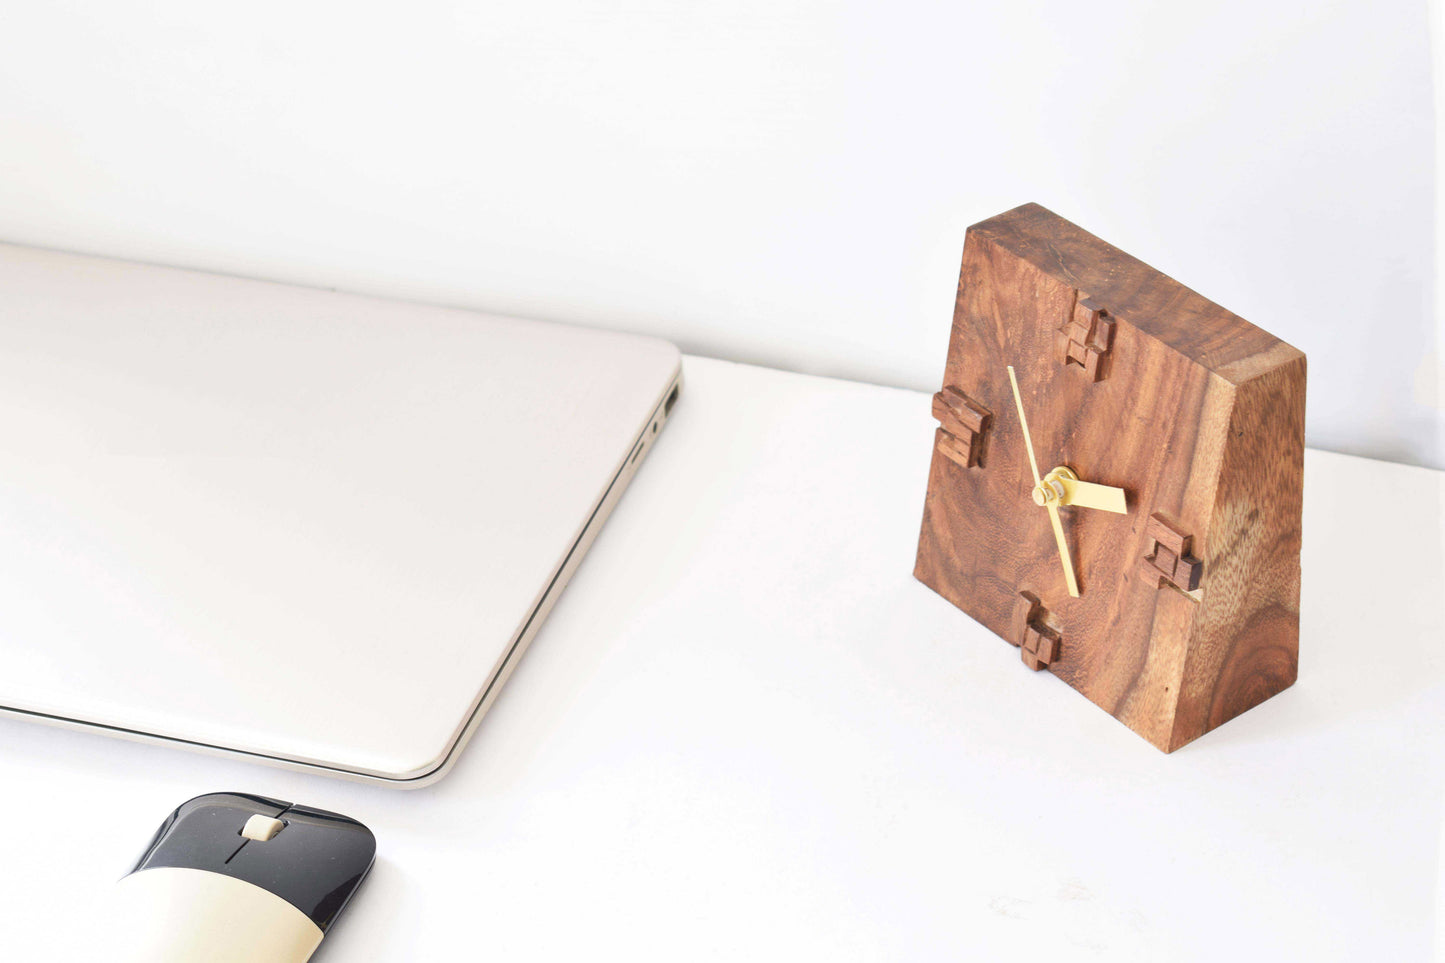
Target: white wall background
(781,181)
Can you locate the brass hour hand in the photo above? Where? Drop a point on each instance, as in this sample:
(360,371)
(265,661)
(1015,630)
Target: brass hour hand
(1090,495)
(1066,489)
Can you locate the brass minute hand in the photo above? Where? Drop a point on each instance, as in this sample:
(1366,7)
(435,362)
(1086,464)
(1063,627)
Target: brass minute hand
(1052,504)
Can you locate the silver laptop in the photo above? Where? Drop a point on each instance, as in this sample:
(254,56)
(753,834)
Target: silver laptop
(309,528)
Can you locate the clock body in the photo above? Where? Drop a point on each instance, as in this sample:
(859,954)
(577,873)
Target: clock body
(1188,612)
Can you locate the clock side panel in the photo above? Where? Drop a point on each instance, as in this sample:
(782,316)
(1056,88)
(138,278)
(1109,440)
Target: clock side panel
(1244,644)
(1154,426)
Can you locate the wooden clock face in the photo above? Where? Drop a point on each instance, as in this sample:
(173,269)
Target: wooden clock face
(1121,407)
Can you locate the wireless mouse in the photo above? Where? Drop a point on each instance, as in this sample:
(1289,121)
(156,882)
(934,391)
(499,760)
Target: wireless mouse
(235,878)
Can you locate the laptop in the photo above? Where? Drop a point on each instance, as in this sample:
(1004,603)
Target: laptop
(302,527)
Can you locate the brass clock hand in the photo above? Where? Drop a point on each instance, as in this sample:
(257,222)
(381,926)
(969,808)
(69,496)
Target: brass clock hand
(1052,504)
(1063,549)
(1069,490)
(1091,495)
(1028,443)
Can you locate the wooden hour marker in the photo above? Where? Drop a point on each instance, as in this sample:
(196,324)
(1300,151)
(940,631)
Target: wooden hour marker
(1086,337)
(1038,641)
(1171,555)
(964,427)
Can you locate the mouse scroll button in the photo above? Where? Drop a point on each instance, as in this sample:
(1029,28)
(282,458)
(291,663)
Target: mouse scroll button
(261,828)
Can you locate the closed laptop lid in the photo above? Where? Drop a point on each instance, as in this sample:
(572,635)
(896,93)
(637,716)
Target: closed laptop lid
(286,521)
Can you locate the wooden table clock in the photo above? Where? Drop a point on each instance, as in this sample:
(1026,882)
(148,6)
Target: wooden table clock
(1116,482)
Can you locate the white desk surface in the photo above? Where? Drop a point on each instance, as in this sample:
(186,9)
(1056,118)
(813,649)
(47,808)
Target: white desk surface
(747,733)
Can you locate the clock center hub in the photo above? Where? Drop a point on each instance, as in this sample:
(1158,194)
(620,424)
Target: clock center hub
(1051,491)
(1047,492)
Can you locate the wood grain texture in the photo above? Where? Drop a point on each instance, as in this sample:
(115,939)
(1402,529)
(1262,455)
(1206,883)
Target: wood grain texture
(1195,412)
